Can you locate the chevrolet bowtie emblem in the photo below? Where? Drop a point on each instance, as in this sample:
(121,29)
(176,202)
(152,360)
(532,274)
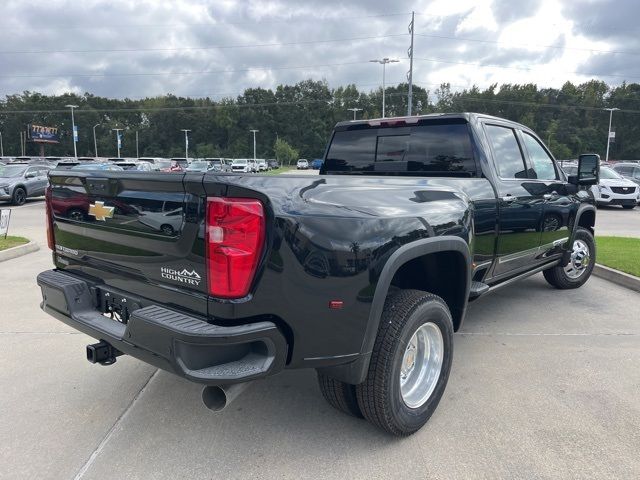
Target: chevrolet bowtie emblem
(101,212)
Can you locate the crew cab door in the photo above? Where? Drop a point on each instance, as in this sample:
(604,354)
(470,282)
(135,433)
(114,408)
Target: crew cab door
(559,205)
(520,202)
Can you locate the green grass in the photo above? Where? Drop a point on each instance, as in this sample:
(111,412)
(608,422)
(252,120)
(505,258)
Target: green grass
(10,242)
(621,253)
(278,171)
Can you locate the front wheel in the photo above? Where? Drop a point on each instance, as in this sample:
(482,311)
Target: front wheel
(19,196)
(410,363)
(578,270)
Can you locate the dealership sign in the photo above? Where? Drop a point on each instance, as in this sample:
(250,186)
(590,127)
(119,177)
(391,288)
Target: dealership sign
(40,134)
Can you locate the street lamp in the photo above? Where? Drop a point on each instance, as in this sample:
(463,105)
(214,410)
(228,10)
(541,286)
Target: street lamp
(75,132)
(1,146)
(384,62)
(354,110)
(610,110)
(95,143)
(118,130)
(254,142)
(186,143)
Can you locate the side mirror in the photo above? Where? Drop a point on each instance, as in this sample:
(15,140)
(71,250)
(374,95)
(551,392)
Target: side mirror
(588,170)
(30,175)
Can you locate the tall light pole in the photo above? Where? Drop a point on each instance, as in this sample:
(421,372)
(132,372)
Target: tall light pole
(1,146)
(137,151)
(95,143)
(118,130)
(186,143)
(75,132)
(610,110)
(354,110)
(383,62)
(254,142)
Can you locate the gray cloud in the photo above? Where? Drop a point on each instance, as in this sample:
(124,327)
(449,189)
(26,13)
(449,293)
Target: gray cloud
(163,24)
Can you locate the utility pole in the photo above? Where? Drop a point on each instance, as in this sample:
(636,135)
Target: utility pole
(254,142)
(118,139)
(186,143)
(383,62)
(610,110)
(95,143)
(354,110)
(1,146)
(410,72)
(75,131)
(137,152)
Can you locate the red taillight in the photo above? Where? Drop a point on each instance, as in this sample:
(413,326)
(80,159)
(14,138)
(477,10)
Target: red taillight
(49,220)
(235,237)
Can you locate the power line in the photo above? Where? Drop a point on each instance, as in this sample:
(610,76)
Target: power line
(460,98)
(98,26)
(524,45)
(197,72)
(209,47)
(528,69)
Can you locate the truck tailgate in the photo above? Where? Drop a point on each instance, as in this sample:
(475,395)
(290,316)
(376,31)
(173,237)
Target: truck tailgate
(139,232)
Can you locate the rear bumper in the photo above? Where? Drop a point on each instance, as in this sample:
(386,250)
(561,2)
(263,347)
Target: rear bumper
(178,343)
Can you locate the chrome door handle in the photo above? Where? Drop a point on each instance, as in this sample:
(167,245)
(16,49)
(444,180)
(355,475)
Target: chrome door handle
(509,198)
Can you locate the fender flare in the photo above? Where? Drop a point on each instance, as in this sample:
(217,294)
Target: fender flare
(585,207)
(402,255)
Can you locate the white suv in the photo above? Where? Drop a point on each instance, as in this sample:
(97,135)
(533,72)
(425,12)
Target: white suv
(240,165)
(302,164)
(614,189)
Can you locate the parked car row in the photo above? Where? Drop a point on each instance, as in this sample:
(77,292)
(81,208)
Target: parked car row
(147,164)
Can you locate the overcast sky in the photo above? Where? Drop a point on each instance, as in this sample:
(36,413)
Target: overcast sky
(120,48)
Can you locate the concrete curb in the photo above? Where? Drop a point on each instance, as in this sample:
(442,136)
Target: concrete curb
(617,277)
(20,250)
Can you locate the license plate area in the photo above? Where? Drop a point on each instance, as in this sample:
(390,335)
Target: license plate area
(117,306)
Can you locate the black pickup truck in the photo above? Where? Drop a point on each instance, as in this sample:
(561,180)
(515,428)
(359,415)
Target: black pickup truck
(363,272)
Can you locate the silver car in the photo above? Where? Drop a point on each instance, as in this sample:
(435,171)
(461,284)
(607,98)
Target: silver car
(19,182)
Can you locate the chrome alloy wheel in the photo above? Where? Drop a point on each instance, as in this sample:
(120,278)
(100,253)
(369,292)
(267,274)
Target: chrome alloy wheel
(580,259)
(421,365)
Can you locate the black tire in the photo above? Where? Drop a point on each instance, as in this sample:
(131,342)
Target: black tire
(379,396)
(75,214)
(558,276)
(340,395)
(167,229)
(628,207)
(19,196)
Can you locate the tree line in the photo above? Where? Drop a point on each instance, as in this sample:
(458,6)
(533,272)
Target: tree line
(570,119)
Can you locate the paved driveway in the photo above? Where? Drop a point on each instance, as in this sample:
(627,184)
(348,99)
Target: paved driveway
(545,384)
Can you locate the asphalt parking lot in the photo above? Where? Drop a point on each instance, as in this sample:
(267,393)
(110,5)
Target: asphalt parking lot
(545,384)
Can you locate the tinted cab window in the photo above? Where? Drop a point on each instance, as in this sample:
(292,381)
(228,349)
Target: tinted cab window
(541,162)
(506,152)
(427,149)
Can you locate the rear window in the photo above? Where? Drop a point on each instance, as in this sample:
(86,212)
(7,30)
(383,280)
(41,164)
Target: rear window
(432,149)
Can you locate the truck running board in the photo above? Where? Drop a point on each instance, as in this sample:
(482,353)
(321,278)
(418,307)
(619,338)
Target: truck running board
(477,289)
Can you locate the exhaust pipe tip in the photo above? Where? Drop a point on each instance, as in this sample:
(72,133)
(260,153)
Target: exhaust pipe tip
(214,398)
